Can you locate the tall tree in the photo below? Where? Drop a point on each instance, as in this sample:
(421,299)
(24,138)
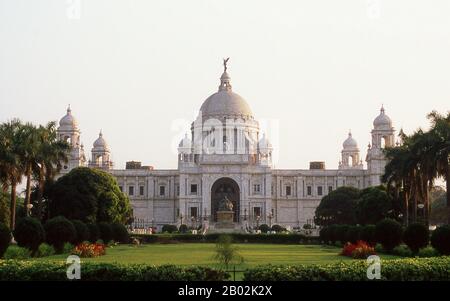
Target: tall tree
(11,165)
(440,131)
(28,152)
(52,153)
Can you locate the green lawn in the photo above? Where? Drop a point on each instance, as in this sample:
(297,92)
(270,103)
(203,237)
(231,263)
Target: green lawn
(202,254)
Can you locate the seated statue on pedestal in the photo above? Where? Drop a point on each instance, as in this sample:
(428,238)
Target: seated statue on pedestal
(225,204)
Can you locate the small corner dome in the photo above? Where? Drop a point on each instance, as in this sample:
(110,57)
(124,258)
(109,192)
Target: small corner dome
(350,142)
(382,120)
(100,143)
(264,143)
(185,142)
(68,120)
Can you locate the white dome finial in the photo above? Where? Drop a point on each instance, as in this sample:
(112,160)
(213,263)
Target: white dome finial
(225,79)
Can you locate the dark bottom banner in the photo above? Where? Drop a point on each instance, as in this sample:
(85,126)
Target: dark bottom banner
(214,290)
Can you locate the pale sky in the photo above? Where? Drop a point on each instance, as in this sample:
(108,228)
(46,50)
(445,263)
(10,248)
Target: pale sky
(136,69)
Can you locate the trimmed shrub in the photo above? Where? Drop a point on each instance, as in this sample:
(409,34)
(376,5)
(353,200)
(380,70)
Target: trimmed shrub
(353,234)
(59,230)
(45,250)
(440,239)
(29,233)
(106,233)
(341,233)
(68,248)
(120,233)
(278,228)
(333,235)
(82,232)
(403,251)
(92,271)
(183,228)
(5,238)
(264,228)
(379,248)
(16,252)
(416,236)
(169,229)
(410,269)
(324,235)
(428,252)
(368,234)
(389,233)
(94,232)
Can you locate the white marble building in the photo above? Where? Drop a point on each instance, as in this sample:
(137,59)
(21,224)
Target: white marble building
(225,154)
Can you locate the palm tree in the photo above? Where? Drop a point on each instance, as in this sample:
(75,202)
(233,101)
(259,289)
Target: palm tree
(28,152)
(10,164)
(52,154)
(440,150)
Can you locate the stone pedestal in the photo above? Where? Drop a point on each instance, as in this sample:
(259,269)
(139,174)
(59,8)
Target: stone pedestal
(225,219)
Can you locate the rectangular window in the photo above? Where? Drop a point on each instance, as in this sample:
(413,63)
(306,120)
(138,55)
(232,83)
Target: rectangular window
(162,190)
(193,188)
(330,189)
(256,188)
(309,190)
(141,190)
(288,190)
(178,189)
(319,190)
(130,190)
(257,211)
(194,212)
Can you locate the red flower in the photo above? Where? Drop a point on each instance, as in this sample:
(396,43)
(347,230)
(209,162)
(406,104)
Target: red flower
(359,250)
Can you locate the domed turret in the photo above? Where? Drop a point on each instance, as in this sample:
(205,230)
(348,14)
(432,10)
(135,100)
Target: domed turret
(68,121)
(100,143)
(185,143)
(264,143)
(350,142)
(100,154)
(350,154)
(382,120)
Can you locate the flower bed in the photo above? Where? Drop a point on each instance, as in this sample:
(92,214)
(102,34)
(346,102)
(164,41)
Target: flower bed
(89,250)
(359,250)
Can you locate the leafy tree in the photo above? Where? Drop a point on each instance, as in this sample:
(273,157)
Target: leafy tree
(89,195)
(338,207)
(225,252)
(374,205)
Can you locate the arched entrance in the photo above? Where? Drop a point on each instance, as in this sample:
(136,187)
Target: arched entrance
(221,188)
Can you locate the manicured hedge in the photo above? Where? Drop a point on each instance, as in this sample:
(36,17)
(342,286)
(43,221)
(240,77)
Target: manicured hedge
(418,269)
(13,270)
(237,238)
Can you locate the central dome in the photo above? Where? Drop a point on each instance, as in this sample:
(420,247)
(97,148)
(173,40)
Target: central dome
(225,103)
